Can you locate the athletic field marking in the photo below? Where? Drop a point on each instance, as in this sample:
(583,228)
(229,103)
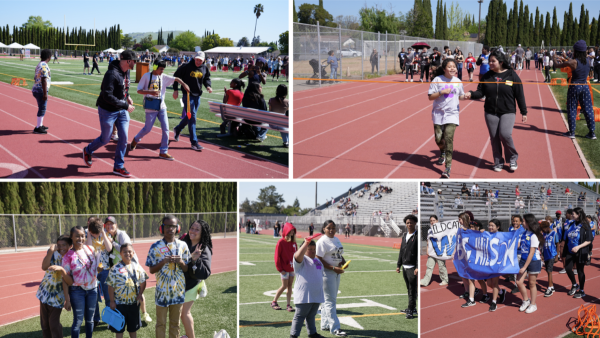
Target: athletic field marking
(346,297)
(31,281)
(318,319)
(276,274)
(21,294)
(487,143)
(18,171)
(352,105)
(20,160)
(69,83)
(29,308)
(24,274)
(552,168)
(335,91)
(341,97)
(155,128)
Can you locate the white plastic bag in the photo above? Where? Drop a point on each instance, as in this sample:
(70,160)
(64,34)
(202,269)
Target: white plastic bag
(221,334)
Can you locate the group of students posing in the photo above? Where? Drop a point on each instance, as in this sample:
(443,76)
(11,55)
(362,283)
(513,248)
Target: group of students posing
(318,266)
(547,241)
(426,63)
(101,261)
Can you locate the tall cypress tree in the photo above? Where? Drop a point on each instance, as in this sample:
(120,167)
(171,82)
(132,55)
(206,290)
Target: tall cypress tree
(429,19)
(124,197)
(582,23)
(187,200)
(438,20)
(503,14)
(511,39)
(587,28)
(569,24)
(27,227)
(114,205)
(536,34)
(81,196)
(104,191)
(95,198)
(445,23)
(490,31)
(510,28)
(168,197)
(521,25)
(294,13)
(178,196)
(593,32)
(526,33)
(158,194)
(547,31)
(70,203)
(575,31)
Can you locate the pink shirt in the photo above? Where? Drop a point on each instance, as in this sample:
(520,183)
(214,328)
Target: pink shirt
(82,265)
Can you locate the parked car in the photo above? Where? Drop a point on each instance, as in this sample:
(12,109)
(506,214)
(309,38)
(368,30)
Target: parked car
(324,51)
(350,52)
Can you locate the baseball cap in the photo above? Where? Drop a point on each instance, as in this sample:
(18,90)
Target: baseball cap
(559,212)
(519,45)
(199,55)
(110,219)
(128,55)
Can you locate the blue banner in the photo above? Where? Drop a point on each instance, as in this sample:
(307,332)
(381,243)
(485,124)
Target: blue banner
(483,255)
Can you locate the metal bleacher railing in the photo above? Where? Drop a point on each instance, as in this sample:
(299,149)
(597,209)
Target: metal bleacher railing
(354,49)
(19,231)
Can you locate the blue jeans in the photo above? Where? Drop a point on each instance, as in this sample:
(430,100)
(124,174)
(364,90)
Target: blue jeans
(333,74)
(285,137)
(102,276)
(191,123)
(83,303)
(164,125)
(261,132)
(426,189)
(41,103)
(331,285)
(107,120)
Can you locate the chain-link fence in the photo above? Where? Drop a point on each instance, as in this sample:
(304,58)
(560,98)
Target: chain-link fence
(361,54)
(20,231)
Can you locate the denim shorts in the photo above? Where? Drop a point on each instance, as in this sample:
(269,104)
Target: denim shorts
(534,267)
(287,275)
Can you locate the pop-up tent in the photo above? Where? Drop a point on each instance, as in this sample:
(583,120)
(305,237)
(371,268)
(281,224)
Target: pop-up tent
(110,50)
(14,45)
(33,49)
(2,47)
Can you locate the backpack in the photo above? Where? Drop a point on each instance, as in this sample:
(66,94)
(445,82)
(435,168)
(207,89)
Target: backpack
(246,131)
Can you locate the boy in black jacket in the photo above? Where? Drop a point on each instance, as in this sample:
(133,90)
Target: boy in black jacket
(194,74)
(114,106)
(407,261)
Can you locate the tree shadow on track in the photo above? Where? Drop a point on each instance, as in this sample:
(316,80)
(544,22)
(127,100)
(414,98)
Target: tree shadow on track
(429,162)
(15,132)
(70,171)
(530,127)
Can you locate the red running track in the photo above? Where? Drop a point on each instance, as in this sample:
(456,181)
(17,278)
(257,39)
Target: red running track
(443,316)
(19,285)
(375,130)
(365,240)
(72,126)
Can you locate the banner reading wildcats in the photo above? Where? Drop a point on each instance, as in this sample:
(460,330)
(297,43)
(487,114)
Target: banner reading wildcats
(482,255)
(442,239)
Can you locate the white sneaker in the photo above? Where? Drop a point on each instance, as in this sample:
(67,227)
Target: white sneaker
(525,305)
(531,309)
(411,80)
(563,271)
(443,283)
(146,317)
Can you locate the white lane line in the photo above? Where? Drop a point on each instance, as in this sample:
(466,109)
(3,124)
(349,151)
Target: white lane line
(22,162)
(552,167)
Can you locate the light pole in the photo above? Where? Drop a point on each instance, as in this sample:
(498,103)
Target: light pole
(479,32)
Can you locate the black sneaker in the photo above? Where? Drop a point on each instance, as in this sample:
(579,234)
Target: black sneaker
(176,135)
(314,335)
(446,173)
(468,303)
(569,134)
(591,136)
(464,296)
(486,298)
(442,159)
(409,315)
(513,165)
(476,292)
(493,307)
(39,130)
(549,292)
(44,127)
(339,333)
(579,294)
(501,297)
(87,158)
(498,167)
(515,290)
(573,290)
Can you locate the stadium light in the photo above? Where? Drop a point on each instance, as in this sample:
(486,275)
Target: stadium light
(479,32)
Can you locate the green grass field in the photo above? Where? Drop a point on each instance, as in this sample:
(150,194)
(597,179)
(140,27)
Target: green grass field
(371,277)
(85,90)
(215,312)
(590,148)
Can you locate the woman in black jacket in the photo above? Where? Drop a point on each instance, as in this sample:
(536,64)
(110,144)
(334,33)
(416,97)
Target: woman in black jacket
(253,98)
(578,240)
(199,242)
(407,262)
(501,87)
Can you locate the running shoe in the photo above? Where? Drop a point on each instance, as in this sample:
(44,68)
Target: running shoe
(39,130)
(493,307)
(286,145)
(549,292)
(442,158)
(446,173)
(513,165)
(122,172)
(44,127)
(87,158)
(574,289)
(569,134)
(502,297)
(525,305)
(114,137)
(166,156)
(579,294)
(515,290)
(531,309)
(464,295)
(486,298)
(498,167)
(146,317)
(197,147)
(476,292)
(443,283)
(409,314)
(468,303)
(411,80)
(339,333)
(176,134)
(132,145)
(563,271)
(591,136)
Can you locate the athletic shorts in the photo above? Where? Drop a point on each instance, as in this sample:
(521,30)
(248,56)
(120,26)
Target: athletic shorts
(534,267)
(86,64)
(470,70)
(549,263)
(287,275)
(133,321)
(518,58)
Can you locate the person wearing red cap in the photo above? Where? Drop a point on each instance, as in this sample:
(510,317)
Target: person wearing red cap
(557,221)
(284,255)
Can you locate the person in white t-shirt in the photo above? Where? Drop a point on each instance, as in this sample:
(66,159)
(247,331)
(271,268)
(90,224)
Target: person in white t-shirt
(475,190)
(308,290)
(154,85)
(330,252)
(445,90)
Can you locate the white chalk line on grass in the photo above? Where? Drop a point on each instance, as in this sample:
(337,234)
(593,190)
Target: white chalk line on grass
(157,130)
(276,274)
(347,297)
(352,105)
(343,97)
(551,158)
(22,162)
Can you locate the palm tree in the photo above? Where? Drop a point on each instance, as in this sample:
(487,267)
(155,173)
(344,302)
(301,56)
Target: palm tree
(258,9)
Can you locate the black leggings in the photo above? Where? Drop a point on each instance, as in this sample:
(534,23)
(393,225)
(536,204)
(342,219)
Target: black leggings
(528,63)
(425,71)
(409,70)
(548,73)
(96,68)
(571,259)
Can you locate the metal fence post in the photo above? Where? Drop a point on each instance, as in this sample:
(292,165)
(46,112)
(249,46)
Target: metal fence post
(133,228)
(341,56)
(225,234)
(14,231)
(362,59)
(378,47)
(319,50)
(386,51)
(59,225)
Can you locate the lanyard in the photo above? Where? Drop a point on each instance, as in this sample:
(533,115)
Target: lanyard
(167,246)
(90,260)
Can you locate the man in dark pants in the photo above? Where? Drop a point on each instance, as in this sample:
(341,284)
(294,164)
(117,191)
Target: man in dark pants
(374,61)
(86,62)
(407,261)
(424,57)
(95,64)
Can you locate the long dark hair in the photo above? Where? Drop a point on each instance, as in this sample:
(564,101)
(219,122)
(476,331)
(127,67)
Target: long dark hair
(501,59)
(534,227)
(582,217)
(281,92)
(205,238)
(441,70)
(253,93)
(581,56)
(239,84)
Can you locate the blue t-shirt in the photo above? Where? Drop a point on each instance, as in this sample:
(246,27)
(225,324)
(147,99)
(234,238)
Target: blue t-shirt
(512,228)
(485,66)
(550,245)
(573,235)
(560,231)
(555,224)
(593,232)
(526,241)
(332,61)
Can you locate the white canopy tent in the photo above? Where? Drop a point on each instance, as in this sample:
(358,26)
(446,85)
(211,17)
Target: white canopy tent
(2,47)
(14,45)
(33,49)
(109,50)
(119,51)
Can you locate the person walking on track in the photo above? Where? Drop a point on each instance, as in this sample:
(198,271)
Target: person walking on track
(95,64)
(194,74)
(114,105)
(86,62)
(501,87)
(56,57)
(579,92)
(40,90)
(483,61)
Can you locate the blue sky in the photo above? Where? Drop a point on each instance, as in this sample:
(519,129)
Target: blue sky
(351,7)
(304,190)
(233,18)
